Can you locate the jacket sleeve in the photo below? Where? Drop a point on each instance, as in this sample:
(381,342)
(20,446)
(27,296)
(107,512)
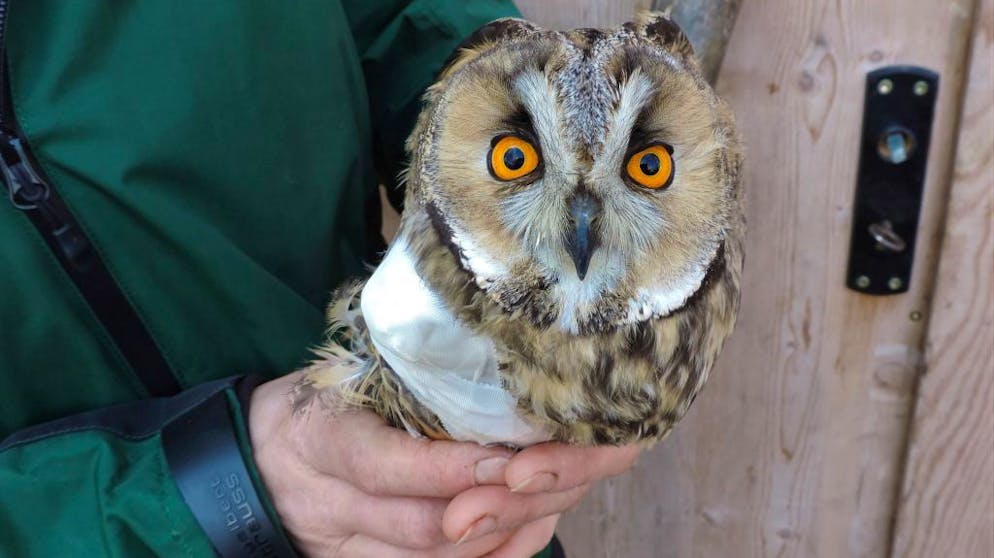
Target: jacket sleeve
(402,45)
(158,477)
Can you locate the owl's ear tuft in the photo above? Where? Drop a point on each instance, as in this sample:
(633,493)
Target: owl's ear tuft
(499,30)
(661,30)
(495,32)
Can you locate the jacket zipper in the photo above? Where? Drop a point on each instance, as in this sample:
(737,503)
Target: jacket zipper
(31,192)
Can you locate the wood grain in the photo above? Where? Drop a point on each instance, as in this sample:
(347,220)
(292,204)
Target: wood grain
(947,501)
(795,448)
(568,14)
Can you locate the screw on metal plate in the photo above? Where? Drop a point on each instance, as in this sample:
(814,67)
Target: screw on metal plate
(893,152)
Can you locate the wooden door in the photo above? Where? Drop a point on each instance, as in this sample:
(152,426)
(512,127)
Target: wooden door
(797,446)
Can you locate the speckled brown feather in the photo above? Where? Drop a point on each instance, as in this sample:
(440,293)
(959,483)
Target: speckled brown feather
(592,389)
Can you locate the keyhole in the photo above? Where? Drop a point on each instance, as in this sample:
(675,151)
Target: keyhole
(896,145)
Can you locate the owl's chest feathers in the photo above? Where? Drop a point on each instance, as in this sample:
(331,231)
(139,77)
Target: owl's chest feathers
(607,384)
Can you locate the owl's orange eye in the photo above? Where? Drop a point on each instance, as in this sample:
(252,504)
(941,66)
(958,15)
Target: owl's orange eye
(512,157)
(652,167)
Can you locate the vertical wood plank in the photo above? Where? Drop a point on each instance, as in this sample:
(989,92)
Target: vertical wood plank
(947,501)
(569,14)
(794,449)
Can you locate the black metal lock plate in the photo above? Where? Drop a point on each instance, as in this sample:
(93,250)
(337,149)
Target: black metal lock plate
(897,127)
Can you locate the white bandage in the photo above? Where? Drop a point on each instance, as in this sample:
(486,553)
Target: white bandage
(450,369)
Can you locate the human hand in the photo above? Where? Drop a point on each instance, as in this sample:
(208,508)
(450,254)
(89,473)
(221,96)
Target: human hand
(348,485)
(545,480)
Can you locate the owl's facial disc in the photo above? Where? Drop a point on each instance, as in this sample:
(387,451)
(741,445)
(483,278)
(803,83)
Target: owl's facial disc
(586,172)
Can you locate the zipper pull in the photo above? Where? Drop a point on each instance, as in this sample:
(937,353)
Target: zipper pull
(28,192)
(24,187)
(68,237)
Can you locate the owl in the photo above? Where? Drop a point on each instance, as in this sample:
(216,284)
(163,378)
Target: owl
(568,260)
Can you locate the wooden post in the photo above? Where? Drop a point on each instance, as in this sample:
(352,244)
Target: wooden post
(946,504)
(708,24)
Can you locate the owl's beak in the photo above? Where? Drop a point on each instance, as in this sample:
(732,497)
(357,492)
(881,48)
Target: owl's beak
(582,241)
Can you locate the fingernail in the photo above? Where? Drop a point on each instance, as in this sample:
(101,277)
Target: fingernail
(483,526)
(539,482)
(490,470)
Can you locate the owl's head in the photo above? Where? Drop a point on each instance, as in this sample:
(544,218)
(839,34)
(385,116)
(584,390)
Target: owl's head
(590,176)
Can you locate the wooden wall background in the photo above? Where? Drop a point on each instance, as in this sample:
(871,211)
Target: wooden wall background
(836,424)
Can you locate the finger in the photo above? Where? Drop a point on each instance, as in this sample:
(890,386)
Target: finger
(486,509)
(323,505)
(529,540)
(414,523)
(363,546)
(556,467)
(386,524)
(357,446)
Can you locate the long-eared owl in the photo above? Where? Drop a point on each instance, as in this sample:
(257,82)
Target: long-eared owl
(568,260)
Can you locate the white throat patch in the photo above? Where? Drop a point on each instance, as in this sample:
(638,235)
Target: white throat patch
(661,301)
(450,369)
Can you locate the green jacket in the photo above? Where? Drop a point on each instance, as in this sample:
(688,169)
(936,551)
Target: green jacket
(188,182)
